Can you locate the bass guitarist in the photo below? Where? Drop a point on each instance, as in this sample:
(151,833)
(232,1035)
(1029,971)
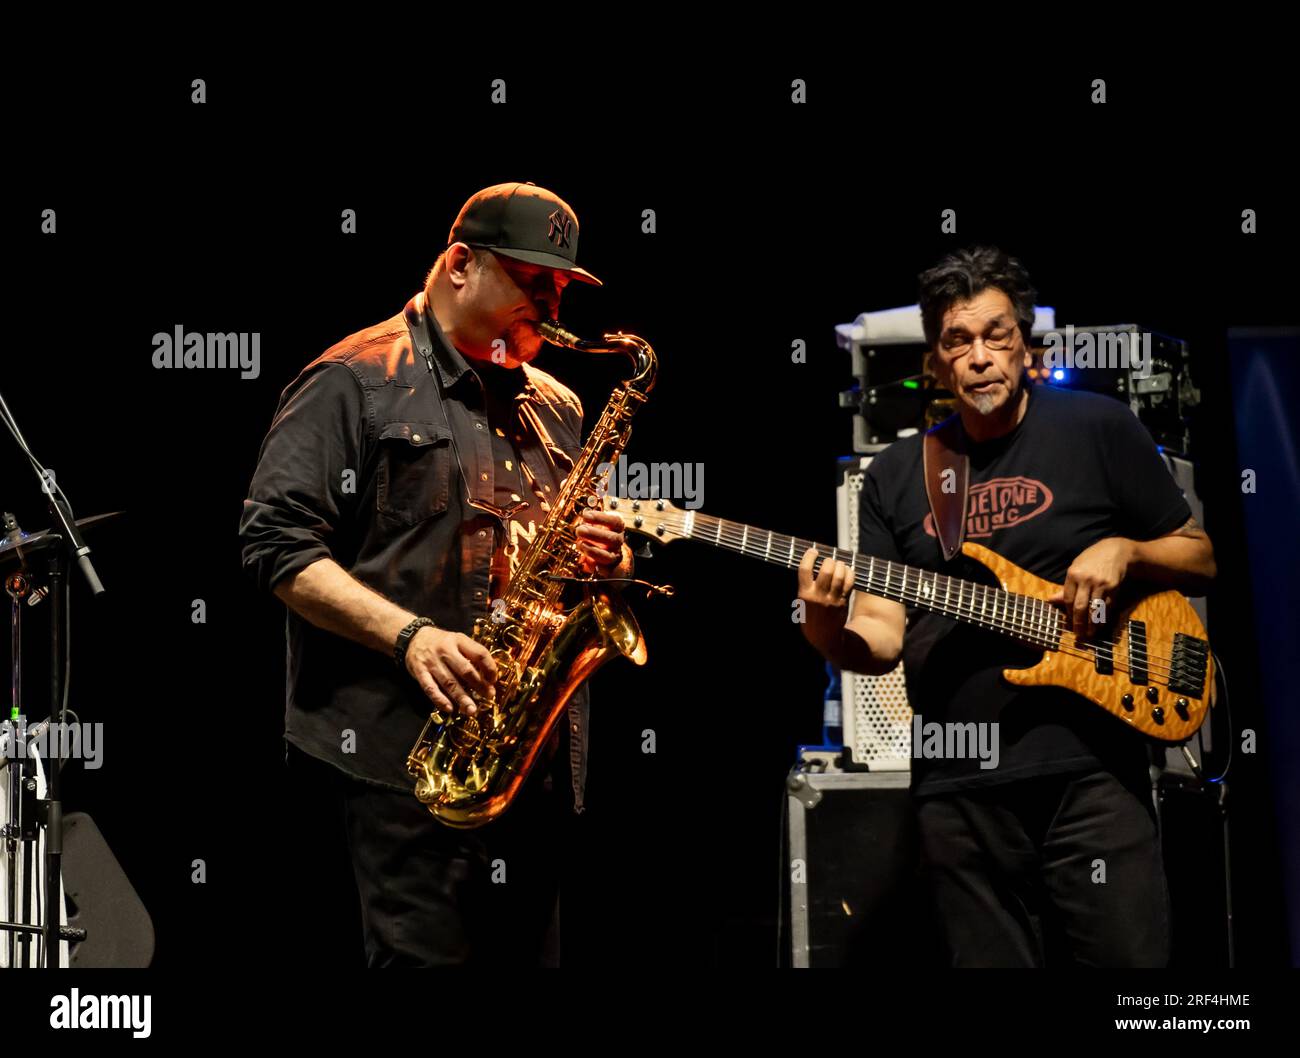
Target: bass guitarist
(1053,856)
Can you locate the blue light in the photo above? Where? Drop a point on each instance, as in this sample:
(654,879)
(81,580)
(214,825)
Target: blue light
(1058,374)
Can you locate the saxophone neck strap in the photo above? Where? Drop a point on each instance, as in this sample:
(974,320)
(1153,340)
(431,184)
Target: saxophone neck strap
(947,480)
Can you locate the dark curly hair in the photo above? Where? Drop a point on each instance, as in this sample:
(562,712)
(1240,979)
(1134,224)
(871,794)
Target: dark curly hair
(959,276)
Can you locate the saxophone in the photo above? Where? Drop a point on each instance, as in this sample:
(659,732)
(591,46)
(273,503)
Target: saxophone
(468,769)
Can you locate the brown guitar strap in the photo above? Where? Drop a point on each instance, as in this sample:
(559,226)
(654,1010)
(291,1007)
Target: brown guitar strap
(944,451)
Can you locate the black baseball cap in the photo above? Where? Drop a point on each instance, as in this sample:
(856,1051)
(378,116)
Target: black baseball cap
(525,222)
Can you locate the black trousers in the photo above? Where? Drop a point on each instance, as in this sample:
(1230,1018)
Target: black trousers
(1059,870)
(431,895)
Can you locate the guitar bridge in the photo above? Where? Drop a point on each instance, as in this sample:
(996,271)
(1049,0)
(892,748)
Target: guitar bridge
(1189,664)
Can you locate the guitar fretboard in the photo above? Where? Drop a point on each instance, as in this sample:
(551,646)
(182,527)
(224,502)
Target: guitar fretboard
(1020,616)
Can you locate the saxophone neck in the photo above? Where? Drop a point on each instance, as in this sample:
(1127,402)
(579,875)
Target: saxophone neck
(636,349)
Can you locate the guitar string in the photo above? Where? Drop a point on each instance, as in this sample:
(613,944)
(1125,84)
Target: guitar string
(1028,628)
(1157,665)
(727,536)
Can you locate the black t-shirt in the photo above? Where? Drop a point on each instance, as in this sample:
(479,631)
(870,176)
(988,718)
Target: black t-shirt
(1079,468)
(513,481)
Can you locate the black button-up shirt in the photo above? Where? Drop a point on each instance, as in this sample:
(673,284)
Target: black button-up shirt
(368,461)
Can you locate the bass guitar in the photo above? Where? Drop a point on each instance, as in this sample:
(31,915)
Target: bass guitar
(1150,666)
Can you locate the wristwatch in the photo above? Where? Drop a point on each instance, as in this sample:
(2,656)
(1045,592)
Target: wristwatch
(404,639)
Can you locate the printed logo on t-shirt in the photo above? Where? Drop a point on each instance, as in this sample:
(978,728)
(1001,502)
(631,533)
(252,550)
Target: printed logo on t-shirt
(1000,503)
(512,544)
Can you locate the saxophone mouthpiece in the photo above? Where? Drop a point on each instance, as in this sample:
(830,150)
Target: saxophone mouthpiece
(557,335)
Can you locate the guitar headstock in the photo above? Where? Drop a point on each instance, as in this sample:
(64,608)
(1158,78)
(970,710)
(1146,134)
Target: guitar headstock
(656,519)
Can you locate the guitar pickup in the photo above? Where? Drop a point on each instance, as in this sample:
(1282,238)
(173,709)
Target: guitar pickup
(1104,657)
(1137,652)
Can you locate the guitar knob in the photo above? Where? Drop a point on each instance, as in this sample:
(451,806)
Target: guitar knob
(1158,715)
(1127,702)
(1180,707)
(1153,695)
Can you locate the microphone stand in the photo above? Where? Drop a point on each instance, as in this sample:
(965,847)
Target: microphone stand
(71,539)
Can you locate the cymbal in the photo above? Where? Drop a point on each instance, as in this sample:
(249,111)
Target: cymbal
(15,546)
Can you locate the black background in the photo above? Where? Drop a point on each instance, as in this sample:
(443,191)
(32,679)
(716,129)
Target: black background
(775,222)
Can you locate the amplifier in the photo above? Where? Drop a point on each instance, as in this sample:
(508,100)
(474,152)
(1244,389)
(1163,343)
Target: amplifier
(856,894)
(877,720)
(1148,371)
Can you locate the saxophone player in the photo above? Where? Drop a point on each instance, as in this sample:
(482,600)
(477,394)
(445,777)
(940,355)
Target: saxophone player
(404,472)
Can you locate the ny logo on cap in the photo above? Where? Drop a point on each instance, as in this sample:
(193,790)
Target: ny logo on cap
(558,232)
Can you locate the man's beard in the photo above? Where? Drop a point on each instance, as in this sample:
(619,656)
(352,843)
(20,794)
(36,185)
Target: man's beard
(984,402)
